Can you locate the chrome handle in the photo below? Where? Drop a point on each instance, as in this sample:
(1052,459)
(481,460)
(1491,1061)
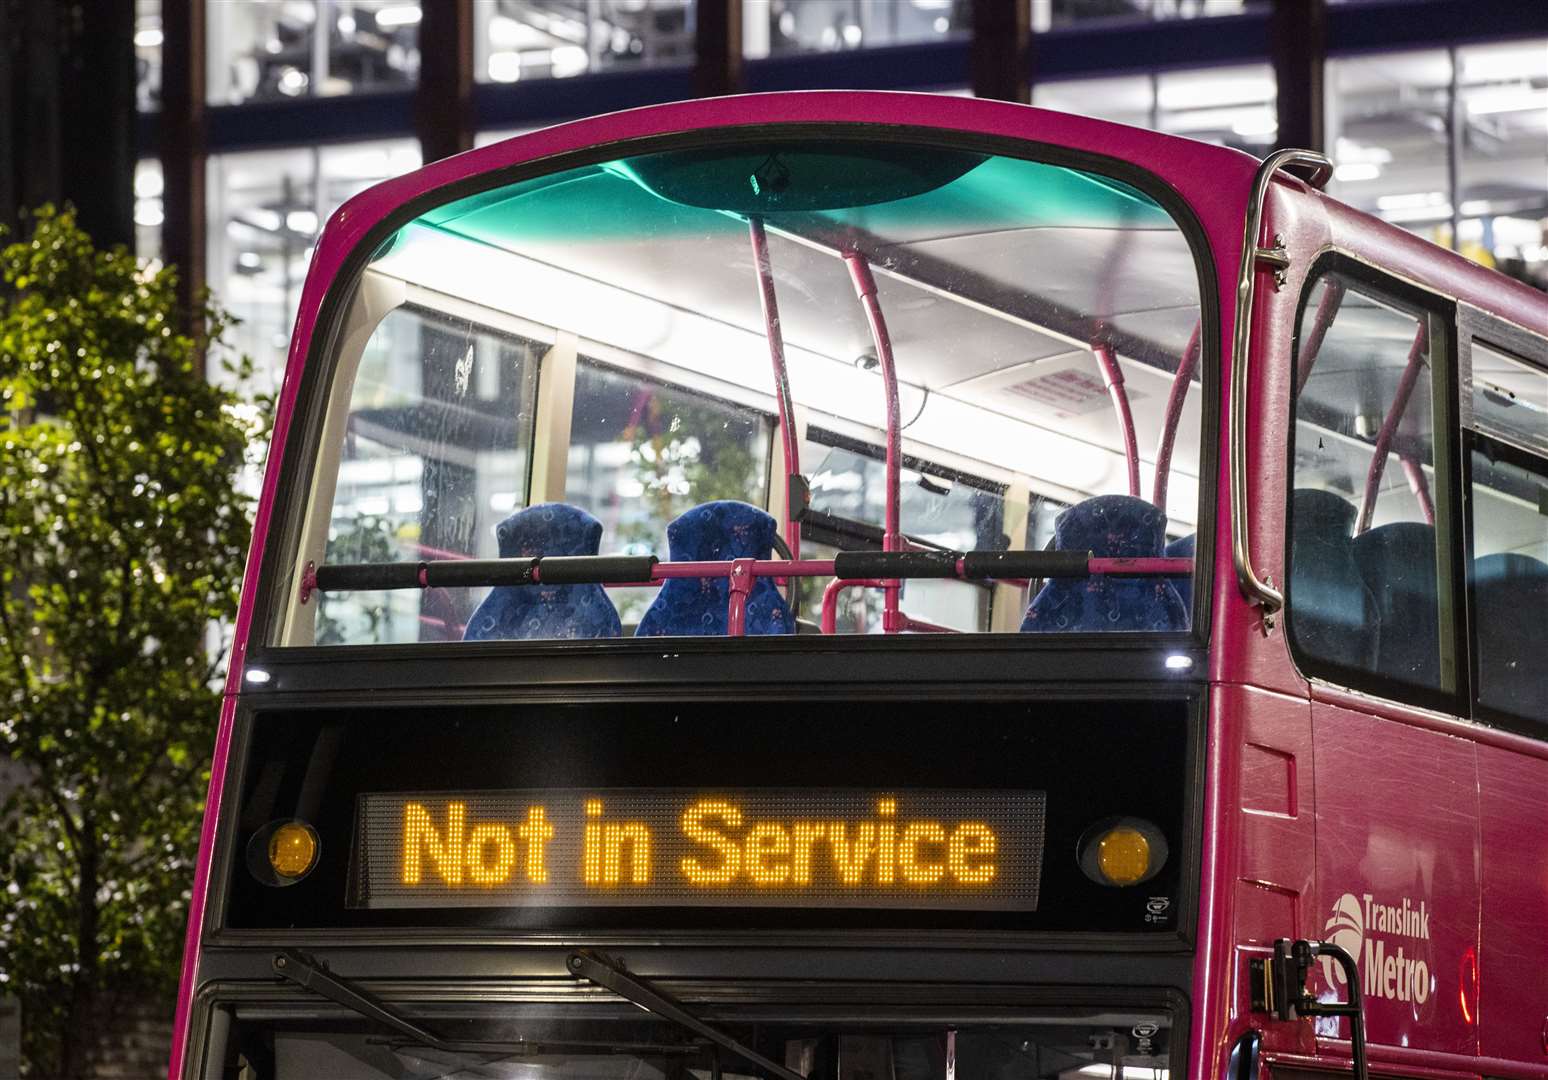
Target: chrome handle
(1256,590)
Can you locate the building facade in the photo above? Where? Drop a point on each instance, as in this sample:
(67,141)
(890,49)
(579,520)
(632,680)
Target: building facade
(257,118)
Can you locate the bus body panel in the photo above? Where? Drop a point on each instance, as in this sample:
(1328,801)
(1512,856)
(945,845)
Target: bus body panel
(1398,870)
(1272,845)
(1411,805)
(1505,984)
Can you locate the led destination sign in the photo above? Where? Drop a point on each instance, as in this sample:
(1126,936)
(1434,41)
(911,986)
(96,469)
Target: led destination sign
(646,847)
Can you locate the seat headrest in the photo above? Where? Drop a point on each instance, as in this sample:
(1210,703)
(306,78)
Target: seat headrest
(1322,513)
(548,529)
(1112,526)
(721,530)
(1410,542)
(1508,566)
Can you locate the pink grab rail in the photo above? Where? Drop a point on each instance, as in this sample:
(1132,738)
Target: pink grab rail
(741,574)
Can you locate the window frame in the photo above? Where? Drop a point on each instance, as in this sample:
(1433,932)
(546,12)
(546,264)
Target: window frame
(1451,599)
(278,573)
(821,527)
(715,393)
(1504,336)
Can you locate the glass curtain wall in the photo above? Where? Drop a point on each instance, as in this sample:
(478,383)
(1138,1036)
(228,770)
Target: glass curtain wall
(272,50)
(1230,106)
(148,208)
(1050,13)
(1452,144)
(779,27)
(265,210)
(544,39)
(147,55)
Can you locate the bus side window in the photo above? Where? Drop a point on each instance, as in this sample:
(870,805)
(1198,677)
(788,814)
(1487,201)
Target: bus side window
(1506,406)
(940,509)
(1366,598)
(642,451)
(434,452)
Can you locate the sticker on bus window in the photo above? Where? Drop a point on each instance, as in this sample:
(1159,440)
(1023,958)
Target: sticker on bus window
(643,847)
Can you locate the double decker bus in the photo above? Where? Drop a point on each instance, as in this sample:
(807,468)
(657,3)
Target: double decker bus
(850,585)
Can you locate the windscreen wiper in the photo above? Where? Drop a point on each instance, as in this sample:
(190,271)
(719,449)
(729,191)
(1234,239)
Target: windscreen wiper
(309,974)
(609,974)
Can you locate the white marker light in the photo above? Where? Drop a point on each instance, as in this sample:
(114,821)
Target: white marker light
(257,676)
(1179,662)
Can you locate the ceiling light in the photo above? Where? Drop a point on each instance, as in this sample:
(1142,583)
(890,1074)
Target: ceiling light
(1495,63)
(1505,99)
(301,221)
(504,31)
(568,60)
(1430,212)
(1347,150)
(1202,91)
(393,17)
(148,182)
(1356,171)
(1410,201)
(147,39)
(505,67)
(1263,124)
(263,218)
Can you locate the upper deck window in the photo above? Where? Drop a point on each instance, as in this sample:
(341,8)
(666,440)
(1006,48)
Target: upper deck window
(589,362)
(1369,590)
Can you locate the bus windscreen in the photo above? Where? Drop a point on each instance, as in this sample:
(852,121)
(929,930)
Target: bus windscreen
(780,349)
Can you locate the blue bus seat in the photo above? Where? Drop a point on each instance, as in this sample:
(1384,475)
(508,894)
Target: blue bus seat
(1332,613)
(526,612)
(1510,595)
(710,532)
(1397,561)
(1182,548)
(1108,526)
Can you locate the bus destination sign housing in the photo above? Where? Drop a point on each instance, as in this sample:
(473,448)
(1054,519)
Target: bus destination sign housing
(962,849)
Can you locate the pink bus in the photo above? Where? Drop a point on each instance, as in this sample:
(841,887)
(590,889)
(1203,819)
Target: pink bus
(843,585)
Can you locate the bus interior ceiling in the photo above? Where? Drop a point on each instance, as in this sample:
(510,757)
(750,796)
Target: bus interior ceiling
(991,315)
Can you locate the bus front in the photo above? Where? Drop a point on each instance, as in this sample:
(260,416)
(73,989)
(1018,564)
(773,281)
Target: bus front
(731,599)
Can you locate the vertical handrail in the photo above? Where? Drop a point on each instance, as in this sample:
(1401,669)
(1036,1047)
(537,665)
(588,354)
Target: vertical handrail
(1254,588)
(1181,381)
(1419,486)
(742,578)
(1112,376)
(776,339)
(1389,425)
(892,535)
(1327,311)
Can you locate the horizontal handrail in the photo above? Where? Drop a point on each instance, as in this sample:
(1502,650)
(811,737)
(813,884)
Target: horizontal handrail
(645,570)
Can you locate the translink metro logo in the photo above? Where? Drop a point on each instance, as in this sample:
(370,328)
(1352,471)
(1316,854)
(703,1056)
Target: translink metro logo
(1367,930)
